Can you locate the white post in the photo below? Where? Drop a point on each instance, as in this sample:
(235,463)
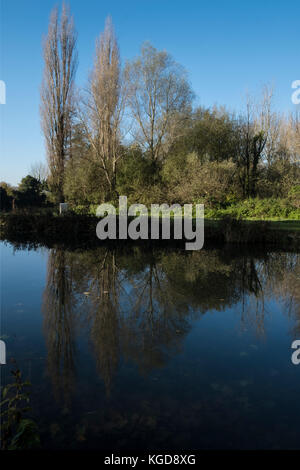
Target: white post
(63,207)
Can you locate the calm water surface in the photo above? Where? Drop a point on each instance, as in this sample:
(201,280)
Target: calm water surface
(154,349)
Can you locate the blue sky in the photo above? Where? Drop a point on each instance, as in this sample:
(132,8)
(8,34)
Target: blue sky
(227,47)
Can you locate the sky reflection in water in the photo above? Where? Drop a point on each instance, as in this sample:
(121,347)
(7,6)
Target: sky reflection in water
(155,349)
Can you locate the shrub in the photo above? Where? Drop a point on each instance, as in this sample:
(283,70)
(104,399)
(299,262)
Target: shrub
(256,208)
(294,196)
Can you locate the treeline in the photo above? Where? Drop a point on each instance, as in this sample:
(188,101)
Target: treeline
(134,131)
(30,193)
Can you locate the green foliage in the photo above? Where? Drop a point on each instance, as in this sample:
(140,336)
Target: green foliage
(277,179)
(212,158)
(26,436)
(84,182)
(5,200)
(135,172)
(30,193)
(211,134)
(88,209)
(17,432)
(294,196)
(272,208)
(187,179)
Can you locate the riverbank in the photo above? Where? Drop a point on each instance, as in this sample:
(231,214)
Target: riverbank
(81,230)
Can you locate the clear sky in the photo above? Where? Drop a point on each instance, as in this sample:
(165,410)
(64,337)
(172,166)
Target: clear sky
(227,47)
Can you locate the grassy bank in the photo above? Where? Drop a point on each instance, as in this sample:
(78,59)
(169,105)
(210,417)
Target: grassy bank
(81,230)
(271,209)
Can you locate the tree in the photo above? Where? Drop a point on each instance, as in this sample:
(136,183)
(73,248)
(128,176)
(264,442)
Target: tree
(135,174)
(209,133)
(294,135)
(60,322)
(159,95)
(254,134)
(104,106)
(39,171)
(5,199)
(29,192)
(57,107)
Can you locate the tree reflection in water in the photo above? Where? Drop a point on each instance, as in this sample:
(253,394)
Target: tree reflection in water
(139,304)
(59,307)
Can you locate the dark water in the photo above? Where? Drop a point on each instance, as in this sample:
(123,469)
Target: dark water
(155,349)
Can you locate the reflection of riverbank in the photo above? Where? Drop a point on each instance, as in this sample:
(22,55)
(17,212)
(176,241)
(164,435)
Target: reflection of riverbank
(80,230)
(156,348)
(140,304)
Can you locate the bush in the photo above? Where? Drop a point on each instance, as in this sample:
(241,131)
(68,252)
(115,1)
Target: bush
(257,209)
(294,196)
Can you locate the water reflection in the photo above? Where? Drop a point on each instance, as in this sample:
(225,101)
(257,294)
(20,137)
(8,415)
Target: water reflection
(60,318)
(139,305)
